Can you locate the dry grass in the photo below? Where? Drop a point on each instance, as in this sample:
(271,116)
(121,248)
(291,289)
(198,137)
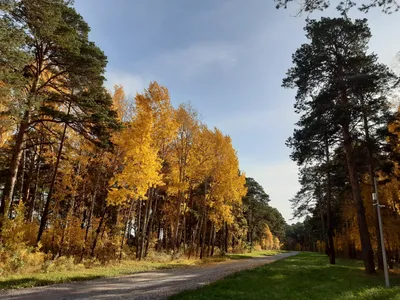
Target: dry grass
(64,270)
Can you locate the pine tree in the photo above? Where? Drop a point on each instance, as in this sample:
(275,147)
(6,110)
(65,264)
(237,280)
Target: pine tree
(333,61)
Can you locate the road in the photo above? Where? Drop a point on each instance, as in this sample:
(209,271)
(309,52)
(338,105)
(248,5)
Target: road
(141,286)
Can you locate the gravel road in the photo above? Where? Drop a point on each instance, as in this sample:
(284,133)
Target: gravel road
(143,286)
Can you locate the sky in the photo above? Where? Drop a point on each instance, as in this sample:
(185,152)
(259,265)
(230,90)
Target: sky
(227,58)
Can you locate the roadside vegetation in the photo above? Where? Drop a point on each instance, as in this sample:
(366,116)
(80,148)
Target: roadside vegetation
(66,270)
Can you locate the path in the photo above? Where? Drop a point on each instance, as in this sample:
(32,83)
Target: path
(143,286)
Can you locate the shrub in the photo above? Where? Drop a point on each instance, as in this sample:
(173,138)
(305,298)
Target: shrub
(15,253)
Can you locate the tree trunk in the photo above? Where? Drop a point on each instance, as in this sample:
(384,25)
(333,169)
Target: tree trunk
(367,252)
(196,236)
(98,230)
(145,223)
(43,220)
(89,222)
(28,182)
(203,238)
(189,231)
(138,227)
(226,237)
(210,239)
(251,227)
(182,228)
(24,179)
(177,217)
(151,221)
(213,241)
(371,170)
(69,211)
(31,205)
(331,245)
(11,179)
(323,226)
(159,239)
(125,227)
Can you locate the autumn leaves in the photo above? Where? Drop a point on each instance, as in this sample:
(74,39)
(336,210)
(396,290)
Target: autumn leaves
(169,150)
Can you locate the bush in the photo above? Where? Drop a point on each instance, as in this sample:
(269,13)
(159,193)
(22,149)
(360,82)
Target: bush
(62,263)
(15,254)
(257,248)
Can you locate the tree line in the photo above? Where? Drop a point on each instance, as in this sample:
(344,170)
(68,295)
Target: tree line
(89,173)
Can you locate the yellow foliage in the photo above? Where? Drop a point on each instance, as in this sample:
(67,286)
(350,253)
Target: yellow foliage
(15,253)
(141,164)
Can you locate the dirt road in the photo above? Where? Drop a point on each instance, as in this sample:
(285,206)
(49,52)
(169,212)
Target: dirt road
(148,285)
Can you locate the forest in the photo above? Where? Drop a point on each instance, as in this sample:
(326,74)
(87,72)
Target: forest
(92,174)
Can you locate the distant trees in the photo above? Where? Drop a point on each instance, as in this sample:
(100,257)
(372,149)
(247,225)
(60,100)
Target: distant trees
(266,225)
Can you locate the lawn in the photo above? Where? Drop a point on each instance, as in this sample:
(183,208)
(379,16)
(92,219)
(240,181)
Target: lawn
(80,272)
(305,276)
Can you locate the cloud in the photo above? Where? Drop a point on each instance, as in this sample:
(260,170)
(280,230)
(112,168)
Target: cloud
(197,59)
(280,182)
(261,120)
(132,83)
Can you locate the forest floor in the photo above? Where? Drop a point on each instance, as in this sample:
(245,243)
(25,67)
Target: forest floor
(147,285)
(68,271)
(305,276)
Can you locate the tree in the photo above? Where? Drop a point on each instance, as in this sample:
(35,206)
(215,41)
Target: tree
(387,6)
(315,135)
(62,82)
(262,219)
(180,163)
(331,63)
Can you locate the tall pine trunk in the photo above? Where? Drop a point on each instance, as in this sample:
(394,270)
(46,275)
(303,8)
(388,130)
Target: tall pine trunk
(332,259)
(11,179)
(371,170)
(31,204)
(367,252)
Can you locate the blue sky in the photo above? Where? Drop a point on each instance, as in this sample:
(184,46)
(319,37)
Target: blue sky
(227,58)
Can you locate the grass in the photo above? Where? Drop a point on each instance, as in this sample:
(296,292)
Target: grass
(305,276)
(80,272)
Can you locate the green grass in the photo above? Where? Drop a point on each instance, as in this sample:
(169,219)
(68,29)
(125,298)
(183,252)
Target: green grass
(305,276)
(80,272)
